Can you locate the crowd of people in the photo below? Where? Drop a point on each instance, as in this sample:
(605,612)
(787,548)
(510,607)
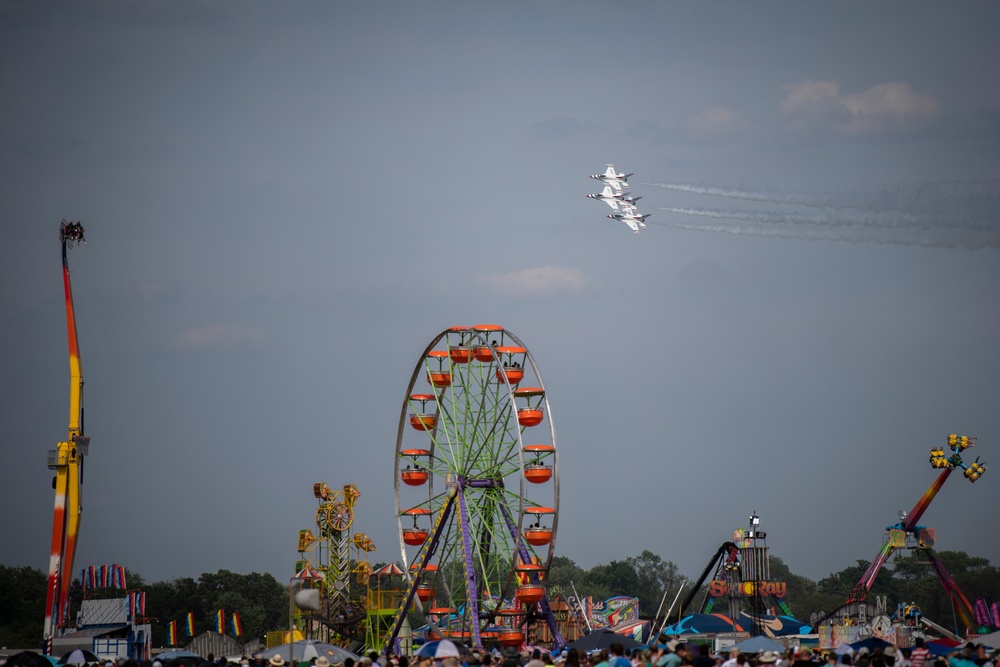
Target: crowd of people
(672,654)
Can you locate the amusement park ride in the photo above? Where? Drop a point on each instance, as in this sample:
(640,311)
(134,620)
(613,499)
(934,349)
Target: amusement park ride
(477,491)
(67,461)
(907,534)
(742,577)
(325,564)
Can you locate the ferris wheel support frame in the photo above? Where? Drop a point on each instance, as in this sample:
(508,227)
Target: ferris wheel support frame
(424,558)
(543,604)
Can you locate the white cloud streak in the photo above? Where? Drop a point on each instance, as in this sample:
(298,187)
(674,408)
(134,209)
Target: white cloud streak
(217,335)
(540,281)
(886,107)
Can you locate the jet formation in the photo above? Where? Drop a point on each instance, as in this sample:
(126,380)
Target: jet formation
(617,195)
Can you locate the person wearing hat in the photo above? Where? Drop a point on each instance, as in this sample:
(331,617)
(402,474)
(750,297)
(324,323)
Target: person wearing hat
(599,658)
(767,657)
(322,661)
(276,661)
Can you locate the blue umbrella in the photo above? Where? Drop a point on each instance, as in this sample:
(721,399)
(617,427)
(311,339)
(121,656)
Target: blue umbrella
(177,655)
(429,649)
(758,645)
(871,643)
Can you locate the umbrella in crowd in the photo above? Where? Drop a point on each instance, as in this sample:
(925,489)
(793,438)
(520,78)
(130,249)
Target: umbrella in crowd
(186,657)
(871,644)
(78,657)
(28,659)
(442,648)
(307,649)
(758,645)
(602,639)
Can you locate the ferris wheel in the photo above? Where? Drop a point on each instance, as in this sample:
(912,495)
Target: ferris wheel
(477,486)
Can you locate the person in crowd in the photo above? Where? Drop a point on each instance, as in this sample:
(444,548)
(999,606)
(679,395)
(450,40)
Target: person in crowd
(735,659)
(767,659)
(599,658)
(669,657)
(803,658)
(966,657)
(919,653)
(703,659)
(618,658)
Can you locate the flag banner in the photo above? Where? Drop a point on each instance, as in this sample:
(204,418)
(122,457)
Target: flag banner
(172,633)
(113,575)
(220,622)
(83,578)
(140,603)
(92,576)
(104,576)
(130,604)
(237,624)
(189,625)
(121,577)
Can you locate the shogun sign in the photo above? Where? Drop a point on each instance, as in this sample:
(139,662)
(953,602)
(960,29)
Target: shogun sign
(718,588)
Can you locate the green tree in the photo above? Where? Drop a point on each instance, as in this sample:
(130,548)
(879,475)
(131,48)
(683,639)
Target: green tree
(563,575)
(655,577)
(22,606)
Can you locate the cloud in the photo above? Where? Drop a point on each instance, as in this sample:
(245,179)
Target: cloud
(217,335)
(715,121)
(882,108)
(536,282)
(561,127)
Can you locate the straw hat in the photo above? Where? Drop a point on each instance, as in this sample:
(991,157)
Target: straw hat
(277,661)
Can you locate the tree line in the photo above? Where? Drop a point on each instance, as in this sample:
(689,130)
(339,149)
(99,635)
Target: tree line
(263,602)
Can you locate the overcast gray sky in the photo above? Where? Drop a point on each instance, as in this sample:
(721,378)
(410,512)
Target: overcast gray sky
(285,202)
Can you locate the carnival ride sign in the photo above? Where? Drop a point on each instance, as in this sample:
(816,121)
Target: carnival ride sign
(615,611)
(718,588)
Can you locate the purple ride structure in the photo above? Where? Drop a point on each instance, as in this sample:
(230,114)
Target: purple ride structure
(477,490)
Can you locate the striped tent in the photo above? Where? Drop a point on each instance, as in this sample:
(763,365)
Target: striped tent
(388,571)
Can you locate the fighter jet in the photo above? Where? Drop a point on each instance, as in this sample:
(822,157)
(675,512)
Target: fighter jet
(615,196)
(630,216)
(611,176)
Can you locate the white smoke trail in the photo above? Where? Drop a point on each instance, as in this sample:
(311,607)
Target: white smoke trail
(854,236)
(969,204)
(882,220)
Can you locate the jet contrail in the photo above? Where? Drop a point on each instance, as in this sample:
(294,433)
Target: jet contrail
(882,220)
(893,237)
(975,203)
